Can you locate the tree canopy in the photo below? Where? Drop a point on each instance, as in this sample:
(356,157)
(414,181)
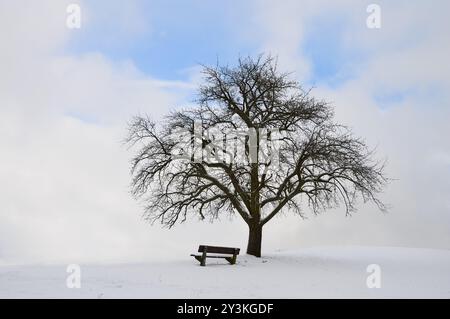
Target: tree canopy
(256,144)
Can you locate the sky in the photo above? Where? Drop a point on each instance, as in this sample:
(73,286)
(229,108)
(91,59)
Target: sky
(66,96)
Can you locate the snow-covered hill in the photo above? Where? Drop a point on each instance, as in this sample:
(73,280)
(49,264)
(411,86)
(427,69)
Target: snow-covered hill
(307,273)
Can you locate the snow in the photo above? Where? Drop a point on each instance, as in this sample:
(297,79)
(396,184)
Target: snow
(327,272)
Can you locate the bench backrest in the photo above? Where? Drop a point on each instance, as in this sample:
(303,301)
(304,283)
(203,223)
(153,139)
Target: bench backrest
(218,250)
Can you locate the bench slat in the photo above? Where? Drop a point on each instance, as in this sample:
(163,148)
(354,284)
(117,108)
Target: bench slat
(209,256)
(219,250)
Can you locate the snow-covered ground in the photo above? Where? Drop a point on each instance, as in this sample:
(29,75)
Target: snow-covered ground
(306,273)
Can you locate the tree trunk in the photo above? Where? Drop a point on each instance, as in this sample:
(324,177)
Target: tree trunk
(254,240)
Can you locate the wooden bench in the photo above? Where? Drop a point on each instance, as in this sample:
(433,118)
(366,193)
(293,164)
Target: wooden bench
(216,250)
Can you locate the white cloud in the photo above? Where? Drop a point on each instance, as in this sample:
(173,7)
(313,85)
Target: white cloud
(407,57)
(64,171)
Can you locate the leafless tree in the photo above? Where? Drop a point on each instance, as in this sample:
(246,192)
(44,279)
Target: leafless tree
(319,162)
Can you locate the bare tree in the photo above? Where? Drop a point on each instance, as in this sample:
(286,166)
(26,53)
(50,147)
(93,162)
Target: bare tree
(314,160)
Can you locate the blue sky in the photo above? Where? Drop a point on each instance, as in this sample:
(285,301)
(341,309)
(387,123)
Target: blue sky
(165,40)
(182,34)
(179,36)
(333,62)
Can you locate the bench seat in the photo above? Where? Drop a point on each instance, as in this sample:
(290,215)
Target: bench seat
(209,256)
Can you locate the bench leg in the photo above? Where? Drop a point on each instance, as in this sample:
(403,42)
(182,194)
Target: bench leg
(203,258)
(231,260)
